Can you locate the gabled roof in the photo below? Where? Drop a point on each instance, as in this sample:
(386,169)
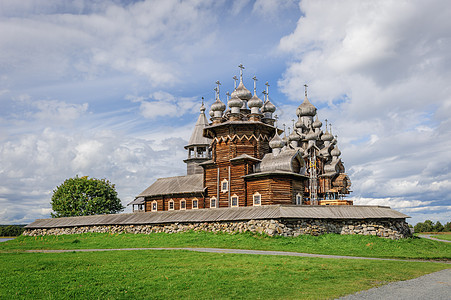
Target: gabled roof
(175,185)
(226,214)
(197,137)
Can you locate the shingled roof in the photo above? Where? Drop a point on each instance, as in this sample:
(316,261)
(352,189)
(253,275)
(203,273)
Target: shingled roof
(175,185)
(226,214)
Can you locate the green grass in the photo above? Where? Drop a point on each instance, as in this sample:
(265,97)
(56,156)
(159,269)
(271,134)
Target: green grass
(191,275)
(350,245)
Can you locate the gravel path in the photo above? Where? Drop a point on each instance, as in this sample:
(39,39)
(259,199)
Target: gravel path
(427,236)
(435,286)
(6,239)
(236,251)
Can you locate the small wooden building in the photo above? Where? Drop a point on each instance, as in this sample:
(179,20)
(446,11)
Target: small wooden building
(239,159)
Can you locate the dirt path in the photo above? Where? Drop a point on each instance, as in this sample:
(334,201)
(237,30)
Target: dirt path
(235,251)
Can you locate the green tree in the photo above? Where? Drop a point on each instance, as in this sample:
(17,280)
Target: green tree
(83,196)
(447,227)
(438,227)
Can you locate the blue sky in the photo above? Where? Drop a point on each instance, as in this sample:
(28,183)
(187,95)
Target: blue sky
(112,89)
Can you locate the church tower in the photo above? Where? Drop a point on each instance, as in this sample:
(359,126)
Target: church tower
(240,138)
(198,145)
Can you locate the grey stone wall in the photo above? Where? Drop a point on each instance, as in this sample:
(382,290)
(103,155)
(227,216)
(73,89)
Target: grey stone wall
(390,228)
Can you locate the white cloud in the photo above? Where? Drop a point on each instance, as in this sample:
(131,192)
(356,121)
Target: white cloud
(379,69)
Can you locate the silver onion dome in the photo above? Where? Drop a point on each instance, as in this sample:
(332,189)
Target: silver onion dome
(242,92)
(317,123)
(335,151)
(235,101)
(306,109)
(294,136)
(327,136)
(268,107)
(218,105)
(255,102)
(276,142)
(311,135)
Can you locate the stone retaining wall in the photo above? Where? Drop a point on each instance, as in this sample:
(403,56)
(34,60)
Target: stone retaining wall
(390,228)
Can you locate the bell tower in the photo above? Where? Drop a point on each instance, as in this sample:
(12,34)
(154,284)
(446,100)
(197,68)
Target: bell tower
(198,145)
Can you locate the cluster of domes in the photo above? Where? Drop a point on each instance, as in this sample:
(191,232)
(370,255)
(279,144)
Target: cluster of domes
(309,139)
(240,102)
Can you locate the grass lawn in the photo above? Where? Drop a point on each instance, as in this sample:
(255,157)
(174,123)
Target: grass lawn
(350,245)
(183,274)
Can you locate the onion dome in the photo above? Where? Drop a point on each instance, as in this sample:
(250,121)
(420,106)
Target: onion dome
(300,124)
(306,109)
(294,136)
(255,102)
(335,151)
(242,92)
(268,107)
(317,123)
(276,142)
(311,135)
(235,101)
(211,113)
(218,105)
(327,136)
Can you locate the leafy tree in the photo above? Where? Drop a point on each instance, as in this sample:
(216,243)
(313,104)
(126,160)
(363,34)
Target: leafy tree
(438,227)
(447,227)
(83,196)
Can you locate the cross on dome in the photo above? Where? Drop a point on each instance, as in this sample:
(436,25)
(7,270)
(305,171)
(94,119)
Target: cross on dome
(241,71)
(218,84)
(305,85)
(255,84)
(234,82)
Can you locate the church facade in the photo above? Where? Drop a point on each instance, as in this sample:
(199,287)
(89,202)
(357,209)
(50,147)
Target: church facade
(238,158)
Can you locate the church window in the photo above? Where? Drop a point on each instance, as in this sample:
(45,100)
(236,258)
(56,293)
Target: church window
(298,199)
(195,203)
(234,201)
(154,206)
(224,186)
(212,202)
(182,204)
(257,199)
(171,204)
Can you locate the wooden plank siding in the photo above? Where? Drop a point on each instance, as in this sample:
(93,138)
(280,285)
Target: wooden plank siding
(163,202)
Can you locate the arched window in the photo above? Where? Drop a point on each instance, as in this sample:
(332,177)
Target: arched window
(298,199)
(195,203)
(257,199)
(171,204)
(224,186)
(154,206)
(234,201)
(213,202)
(183,204)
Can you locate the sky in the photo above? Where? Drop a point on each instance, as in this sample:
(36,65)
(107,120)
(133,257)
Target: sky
(112,89)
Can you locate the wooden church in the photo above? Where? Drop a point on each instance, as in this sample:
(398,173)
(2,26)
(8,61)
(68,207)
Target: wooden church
(239,159)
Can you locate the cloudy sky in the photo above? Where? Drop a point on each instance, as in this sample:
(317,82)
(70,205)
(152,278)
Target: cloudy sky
(112,89)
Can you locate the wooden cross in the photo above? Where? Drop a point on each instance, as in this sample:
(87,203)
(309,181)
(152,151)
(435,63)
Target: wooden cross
(241,71)
(234,80)
(218,83)
(255,84)
(305,85)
